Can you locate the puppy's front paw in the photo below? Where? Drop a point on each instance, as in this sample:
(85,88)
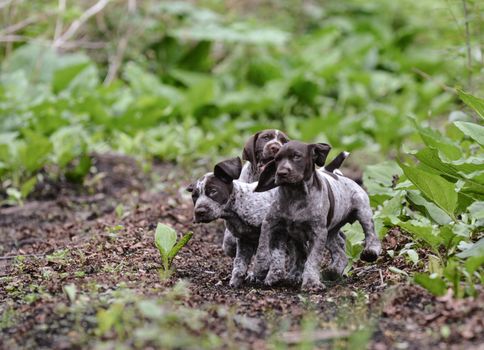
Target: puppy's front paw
(312,285)
(274,277)
(236,281)
(371,252)
(294,279)
(332,273)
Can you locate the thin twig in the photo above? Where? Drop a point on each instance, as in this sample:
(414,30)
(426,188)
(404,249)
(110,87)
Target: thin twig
(5,3)
(59,23)
(74,27)
(22,24)
(429,77)
(24,255)
(13,38)
(468,45)
(319,335)
(117,59)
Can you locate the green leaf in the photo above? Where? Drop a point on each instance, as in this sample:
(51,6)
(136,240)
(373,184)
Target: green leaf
(434,187)
(28,186)
(64,75)
(474,131)
(412,254)
(181,243)
(33,153)
(473,263)
(433,283)
(477,249)
(397,270)
(476,103)
(435,140)
(165,239)
(424,233)
(433,211)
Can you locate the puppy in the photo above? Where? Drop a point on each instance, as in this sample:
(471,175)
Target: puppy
(217,195)
(310,207)
(259,149)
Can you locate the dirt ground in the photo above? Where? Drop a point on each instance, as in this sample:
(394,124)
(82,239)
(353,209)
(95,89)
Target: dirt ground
(99,237)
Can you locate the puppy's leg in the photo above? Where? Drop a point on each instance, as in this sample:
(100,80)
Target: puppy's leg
(336,245)
(311,280)
(372,244)
(278,247)
(245,251)
(229,244)
(262,256)
(297,258)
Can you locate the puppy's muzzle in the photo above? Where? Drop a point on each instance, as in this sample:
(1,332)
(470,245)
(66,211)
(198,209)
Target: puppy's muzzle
(271,148)
(201,215)
(274,148)
(282,175)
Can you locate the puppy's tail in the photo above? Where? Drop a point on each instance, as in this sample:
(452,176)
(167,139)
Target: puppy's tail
(336,162)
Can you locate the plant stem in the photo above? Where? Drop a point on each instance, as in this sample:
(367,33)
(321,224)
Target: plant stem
(468,45)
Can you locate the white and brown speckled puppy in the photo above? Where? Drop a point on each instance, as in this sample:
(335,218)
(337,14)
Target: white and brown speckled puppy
(310,207)
(218,195)
(259,149)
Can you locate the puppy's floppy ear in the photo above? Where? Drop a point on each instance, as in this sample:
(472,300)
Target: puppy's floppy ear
(319,152)
(228,170)
(267,179)
(249,149)
(190,188)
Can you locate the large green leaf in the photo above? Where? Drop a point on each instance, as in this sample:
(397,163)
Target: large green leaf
(422,233)
(433,283)
(437,141)
(434,187)
(477,249)
(64,75)
(433,211)
(476,103)
(472,130)
(165,239)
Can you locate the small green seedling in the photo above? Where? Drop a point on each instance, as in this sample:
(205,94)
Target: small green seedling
(165,241)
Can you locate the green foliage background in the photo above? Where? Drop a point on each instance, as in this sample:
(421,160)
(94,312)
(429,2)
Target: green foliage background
(186,82)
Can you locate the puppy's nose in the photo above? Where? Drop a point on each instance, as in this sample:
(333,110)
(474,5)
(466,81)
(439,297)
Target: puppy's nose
(274,148)
(282,172)
(201,211)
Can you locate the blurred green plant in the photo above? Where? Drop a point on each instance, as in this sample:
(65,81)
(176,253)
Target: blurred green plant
(198,83)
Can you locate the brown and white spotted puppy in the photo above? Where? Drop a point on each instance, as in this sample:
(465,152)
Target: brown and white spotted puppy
(259,149)
(219,195)
(310,208)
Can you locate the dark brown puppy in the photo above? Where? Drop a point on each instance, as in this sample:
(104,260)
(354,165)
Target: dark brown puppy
(310,207)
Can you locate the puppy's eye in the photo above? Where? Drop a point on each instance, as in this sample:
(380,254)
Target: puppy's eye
(266,137)
(296,157)
(212,193)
